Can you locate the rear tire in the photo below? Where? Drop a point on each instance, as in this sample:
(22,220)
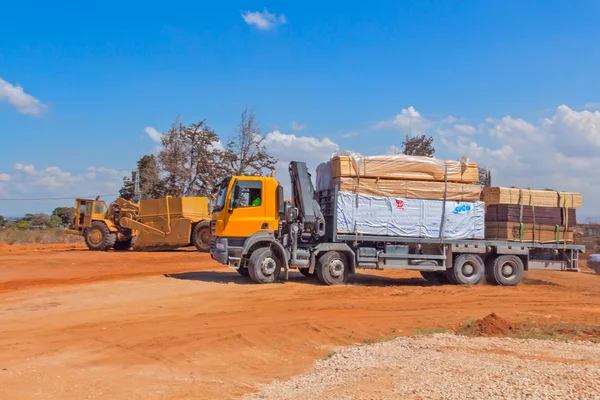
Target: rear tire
(123,246)
(243,271)
(201,236)
(505,270)
(98,237)
(467,269)
(332,268)
(264,266)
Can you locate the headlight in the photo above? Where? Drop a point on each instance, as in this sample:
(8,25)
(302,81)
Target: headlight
(220,246)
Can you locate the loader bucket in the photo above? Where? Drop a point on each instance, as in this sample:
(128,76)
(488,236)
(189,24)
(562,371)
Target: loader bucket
(171,221)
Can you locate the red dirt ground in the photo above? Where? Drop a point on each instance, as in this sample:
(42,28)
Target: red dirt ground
(176,325)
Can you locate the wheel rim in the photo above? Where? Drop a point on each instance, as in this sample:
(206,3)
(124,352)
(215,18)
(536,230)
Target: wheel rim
(468,269)
(508,269)
(268,266)
(205,236)
(336,268)
(95,236)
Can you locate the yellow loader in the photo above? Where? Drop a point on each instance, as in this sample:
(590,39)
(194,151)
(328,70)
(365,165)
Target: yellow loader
(158,224)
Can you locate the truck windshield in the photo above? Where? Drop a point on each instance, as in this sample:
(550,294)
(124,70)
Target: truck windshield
(221,191)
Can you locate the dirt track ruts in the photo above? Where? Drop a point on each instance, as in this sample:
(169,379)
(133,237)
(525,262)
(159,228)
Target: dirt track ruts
(81,324)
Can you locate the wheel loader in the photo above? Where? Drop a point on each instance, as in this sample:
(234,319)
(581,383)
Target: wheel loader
(158,224)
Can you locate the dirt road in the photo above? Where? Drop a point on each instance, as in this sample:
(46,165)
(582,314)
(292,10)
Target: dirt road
(175,325)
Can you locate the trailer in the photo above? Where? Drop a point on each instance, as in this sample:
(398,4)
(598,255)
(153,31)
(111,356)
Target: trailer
(265,240)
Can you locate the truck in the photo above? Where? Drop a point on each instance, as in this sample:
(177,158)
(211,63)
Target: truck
(154,224)
(264,240)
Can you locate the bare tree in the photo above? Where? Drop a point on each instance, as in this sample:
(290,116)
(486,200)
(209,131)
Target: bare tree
(419,145)
(190,161)
(150,183)
(245,154)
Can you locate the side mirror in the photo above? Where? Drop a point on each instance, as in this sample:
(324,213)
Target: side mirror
(280,202)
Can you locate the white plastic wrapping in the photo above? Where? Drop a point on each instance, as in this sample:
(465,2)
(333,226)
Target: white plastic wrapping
(415,218)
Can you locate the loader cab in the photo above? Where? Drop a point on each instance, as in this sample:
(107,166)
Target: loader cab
(87,212)
(244,206)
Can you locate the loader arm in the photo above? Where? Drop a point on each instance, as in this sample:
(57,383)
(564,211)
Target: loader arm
(131,224)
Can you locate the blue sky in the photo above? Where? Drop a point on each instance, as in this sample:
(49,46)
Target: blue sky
(511,84)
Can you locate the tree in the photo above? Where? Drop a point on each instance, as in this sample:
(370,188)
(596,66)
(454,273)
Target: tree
(148,173)
(190,163)
(245,154)
(23,225)
(485,177)
(65,214)
(2,221)
(419,145)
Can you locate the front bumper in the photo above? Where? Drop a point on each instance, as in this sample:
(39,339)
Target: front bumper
(224,253)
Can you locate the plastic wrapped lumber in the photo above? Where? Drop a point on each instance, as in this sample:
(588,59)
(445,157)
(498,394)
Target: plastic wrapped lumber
(409,189)
(539,215)
(401,166)
(362,214)
(538,198)
(516,232)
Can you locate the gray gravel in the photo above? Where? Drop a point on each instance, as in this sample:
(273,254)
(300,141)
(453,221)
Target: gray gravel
(449,367)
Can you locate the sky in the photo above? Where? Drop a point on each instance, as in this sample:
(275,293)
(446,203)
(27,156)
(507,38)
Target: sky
(87,88)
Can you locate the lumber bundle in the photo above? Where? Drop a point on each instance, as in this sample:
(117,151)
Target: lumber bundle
(404,167)
(521,232)
(530,214)
(409,189)
(537,198)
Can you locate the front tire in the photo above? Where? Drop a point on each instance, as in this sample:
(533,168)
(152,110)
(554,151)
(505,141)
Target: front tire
(505,270)
(264,266)
(468,269)
(98,237)
(201,236)
(332,268)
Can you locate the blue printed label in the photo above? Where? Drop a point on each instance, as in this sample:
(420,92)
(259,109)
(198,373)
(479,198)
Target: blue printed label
(462,209)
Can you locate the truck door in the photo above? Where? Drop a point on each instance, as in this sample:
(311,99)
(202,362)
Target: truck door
(247,210)
(87,220)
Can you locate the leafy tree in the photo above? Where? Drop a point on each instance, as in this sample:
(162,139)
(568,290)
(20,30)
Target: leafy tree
(65,214)
(54,221)
(190,162)
(151,186)
(245,154)
(485,177)
(419,145)
(2,222)
(23,225)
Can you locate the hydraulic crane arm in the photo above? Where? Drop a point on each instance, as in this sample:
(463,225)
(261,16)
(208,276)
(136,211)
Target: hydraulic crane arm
(303,198)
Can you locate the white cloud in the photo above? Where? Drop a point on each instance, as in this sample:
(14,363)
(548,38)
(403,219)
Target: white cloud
(464,129)
(264,20)
(409,120)
(289,147)
(4,177)
(21,101)
(349,134)
(155,135)
(297,126)
(450,120)
(592,105)
(558,152)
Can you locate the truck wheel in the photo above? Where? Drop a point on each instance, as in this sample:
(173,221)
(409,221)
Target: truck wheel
(122,246)
(434,277)
(505,270)
(468,269)
(304,271)
(99,237)
(332,268)
(243,271)
(264,266)
(201,236)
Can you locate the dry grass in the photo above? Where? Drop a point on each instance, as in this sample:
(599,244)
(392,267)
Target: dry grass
(57,235)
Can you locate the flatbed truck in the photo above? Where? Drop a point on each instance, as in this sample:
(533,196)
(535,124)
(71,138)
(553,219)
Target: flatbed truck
(262,241)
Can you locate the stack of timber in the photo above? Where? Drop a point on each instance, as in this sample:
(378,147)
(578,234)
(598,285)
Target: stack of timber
(401,195)
(525,215)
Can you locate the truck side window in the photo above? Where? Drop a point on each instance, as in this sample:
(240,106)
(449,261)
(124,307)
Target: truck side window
(247,194)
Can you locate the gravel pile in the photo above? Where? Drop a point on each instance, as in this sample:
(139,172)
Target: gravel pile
(449,367)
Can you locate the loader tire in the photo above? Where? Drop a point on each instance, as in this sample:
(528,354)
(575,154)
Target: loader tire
(99,237)
(201,236)
(123,246)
